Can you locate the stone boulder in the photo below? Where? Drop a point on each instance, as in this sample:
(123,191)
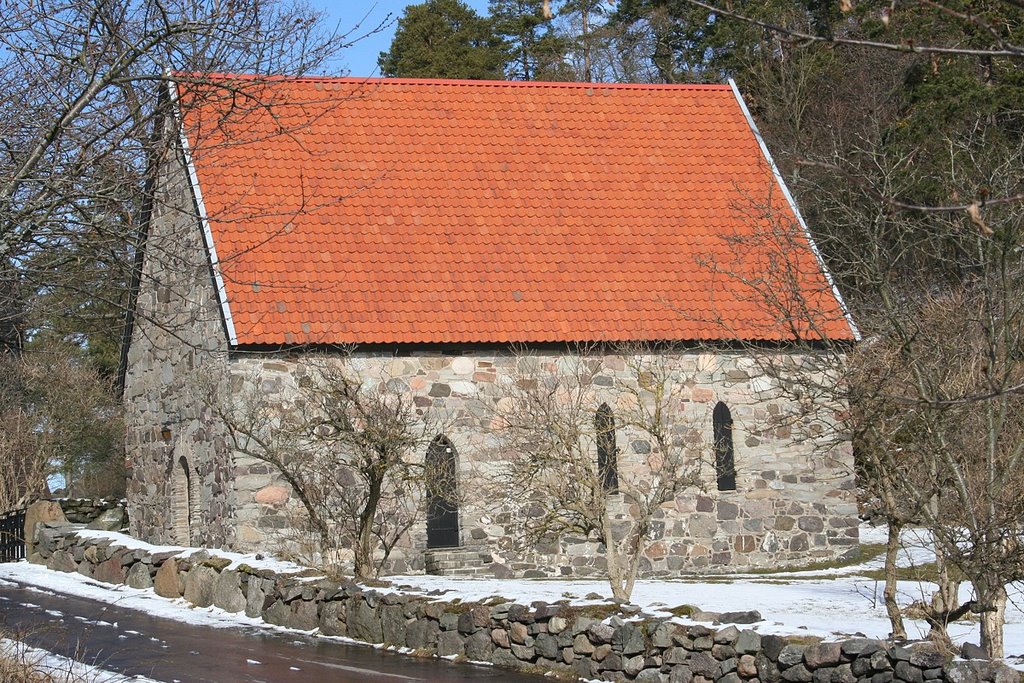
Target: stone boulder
(227,592)
(139,577)
(109,571)
(109,520)
(364,622)
(392,622)
(256,597)
(302,615)
(199,585)
(40,511)
(972,651)
(479,646)
(332,619)
(62,561)
(450,644)
(422,633)
(629,640)
(745,617)
(167,583)
(822,655)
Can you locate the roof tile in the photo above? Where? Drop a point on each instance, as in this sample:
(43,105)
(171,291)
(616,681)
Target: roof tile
(451,211)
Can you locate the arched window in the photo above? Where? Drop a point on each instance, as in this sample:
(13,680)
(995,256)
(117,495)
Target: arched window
(725,466)
(607,465)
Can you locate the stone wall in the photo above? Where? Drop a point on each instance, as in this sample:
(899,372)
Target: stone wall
(589,642)
(794,500)
(85,510)
(178,337)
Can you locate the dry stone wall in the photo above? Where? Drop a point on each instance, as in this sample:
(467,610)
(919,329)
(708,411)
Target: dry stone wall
(87,510)
(593,643)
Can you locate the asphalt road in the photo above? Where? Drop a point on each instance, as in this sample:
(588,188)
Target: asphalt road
(132,642)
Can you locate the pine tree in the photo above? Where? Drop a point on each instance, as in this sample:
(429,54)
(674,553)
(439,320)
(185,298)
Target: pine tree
(444,39)
(535,51)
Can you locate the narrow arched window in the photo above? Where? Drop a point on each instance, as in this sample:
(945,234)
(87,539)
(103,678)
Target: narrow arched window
(607,465)
(725,465)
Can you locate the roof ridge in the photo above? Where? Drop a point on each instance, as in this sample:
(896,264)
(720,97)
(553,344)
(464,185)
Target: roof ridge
(576,85)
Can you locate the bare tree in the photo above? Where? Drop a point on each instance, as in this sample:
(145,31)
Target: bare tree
(79,87)
(69,427)
(79,84)
(562,467)
(937,388)
(346,448)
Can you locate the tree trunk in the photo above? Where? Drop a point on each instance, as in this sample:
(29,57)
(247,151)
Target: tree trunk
(992,602)
(364,568)
(588,74)
(623,563)
(947,598)
(892,609)
(616,570)
(616,576)
(944,601)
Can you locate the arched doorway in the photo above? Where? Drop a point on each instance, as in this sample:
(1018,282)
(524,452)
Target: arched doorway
(182,502)
(442,494)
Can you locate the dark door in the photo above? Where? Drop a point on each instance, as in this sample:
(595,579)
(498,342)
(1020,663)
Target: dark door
(442,498)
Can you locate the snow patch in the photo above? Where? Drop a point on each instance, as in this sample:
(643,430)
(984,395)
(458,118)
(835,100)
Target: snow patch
(61,667)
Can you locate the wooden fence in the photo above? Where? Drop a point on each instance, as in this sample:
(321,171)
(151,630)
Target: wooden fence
(12,536)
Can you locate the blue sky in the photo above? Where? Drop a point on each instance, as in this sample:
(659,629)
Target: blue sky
(361,58)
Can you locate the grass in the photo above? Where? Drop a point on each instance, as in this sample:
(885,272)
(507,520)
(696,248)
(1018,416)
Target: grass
(17,665)
(922,572)
(683,610)
(598,612)
(867,551)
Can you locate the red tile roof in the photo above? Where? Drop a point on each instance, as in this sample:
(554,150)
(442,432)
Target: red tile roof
(426,211)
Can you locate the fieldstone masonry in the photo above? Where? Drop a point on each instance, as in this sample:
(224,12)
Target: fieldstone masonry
(178,335)
(794,502)
(88,510)
(602,643)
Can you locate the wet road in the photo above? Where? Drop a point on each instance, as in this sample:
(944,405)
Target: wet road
(132,642)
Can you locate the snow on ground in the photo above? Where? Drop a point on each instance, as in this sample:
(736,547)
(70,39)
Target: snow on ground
(145,600)
(830,603)
(61,668)
(254,560)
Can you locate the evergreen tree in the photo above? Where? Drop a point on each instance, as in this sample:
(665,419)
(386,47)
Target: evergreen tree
(535,51)
(444,39)
(586,19)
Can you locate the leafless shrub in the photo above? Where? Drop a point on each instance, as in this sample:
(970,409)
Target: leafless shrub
(347,448)
(559,451)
